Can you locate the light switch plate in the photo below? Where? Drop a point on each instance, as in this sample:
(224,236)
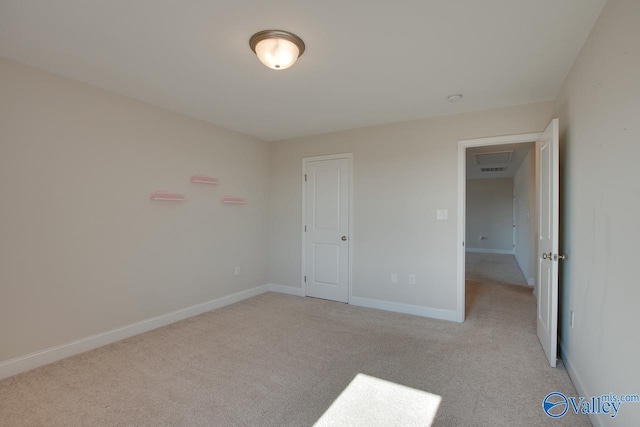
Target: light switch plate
(443,214)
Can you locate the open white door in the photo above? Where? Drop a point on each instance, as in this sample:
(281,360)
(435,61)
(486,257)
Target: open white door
(547,152)
(326,235)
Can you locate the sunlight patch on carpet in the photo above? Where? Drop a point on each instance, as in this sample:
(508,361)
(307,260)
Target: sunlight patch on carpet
(369,401)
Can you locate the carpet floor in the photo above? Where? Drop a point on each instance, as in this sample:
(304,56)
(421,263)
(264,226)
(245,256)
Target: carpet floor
(280,360)
(494,268)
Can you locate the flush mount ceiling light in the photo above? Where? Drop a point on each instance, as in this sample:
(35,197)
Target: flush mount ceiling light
(277,49)
(455,98)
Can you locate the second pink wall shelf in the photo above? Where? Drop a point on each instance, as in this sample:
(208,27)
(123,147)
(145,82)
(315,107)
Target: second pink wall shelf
(233,200)
(203,179)
(167,195)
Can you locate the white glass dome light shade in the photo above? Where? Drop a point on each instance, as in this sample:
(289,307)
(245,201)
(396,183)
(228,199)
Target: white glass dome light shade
(277,49)
(277,54)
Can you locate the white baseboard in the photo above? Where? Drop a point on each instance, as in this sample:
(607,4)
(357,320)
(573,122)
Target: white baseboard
(53,354)
(490,251)
(417,310)
(531,281)
(578,383)
(397,307)
(289,290)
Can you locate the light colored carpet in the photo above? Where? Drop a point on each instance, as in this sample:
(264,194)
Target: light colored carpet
(494,268)
(372,402)
(280,360)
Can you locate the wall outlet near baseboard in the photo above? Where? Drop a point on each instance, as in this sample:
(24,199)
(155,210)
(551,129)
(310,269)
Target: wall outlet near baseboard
(412,279)
(571,318)
(394,278)
(236,270)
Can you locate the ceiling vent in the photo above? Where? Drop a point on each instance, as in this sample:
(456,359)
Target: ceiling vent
(493,158)
(501,169)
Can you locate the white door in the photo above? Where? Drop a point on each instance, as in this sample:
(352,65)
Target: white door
(547,292)
(326,237)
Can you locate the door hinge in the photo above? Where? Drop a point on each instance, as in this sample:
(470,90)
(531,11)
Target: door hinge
(305,177)
(305,279)
(305,228)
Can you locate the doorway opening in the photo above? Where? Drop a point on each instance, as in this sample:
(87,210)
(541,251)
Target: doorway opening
(546,228)
(491,232)
(500,223)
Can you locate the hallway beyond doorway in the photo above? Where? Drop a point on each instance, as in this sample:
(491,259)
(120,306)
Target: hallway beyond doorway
(494,268)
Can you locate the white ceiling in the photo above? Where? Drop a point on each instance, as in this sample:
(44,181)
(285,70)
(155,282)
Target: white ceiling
(367,62)
(518,153)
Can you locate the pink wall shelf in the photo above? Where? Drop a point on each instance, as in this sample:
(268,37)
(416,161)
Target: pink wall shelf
(203,179)
(233,200)
(167,195)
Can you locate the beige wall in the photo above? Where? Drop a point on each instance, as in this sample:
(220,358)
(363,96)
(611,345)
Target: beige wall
(599,111)
(83,249)
(403,173)
(489,218)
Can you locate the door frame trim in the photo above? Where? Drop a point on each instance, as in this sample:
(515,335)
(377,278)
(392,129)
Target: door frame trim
(463,144)
(305,161)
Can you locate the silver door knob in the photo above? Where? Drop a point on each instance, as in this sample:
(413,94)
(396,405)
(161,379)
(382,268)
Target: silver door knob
(562,257)
(344,238)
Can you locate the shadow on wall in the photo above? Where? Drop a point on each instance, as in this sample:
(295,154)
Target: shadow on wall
(563,238)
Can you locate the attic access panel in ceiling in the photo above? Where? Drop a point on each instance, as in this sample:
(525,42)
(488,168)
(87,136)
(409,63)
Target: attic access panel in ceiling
(493,158)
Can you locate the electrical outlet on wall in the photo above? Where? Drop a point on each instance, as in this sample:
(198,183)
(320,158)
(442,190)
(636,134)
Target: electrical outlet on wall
(571,318)
(412,279)
(236,270)
(394,278)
